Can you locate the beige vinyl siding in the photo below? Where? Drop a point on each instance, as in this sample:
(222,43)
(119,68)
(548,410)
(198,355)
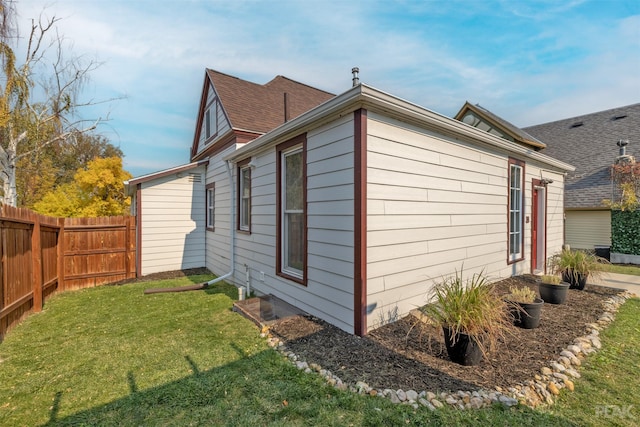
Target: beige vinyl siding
(587,229)
(437,205)
(173,216)
(329,290)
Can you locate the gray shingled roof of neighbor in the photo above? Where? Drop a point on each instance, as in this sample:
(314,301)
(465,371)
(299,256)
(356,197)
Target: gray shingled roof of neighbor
(588,142)
(261,108)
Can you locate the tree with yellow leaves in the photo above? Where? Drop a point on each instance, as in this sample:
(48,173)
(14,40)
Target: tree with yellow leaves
(96,191)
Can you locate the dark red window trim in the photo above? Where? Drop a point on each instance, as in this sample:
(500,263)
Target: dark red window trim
(298,140)
(241,165)
(206,198)
(513,161)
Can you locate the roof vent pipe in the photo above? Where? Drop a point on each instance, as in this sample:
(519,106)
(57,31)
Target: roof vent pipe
(356,79)
(622,143)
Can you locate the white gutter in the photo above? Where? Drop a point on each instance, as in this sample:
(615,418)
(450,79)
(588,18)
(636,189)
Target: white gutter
(369,97)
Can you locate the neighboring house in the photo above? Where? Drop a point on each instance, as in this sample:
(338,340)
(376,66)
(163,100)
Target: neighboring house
(351,206)
(589,143)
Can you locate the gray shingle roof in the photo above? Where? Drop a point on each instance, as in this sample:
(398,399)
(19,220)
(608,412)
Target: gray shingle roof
(588,142)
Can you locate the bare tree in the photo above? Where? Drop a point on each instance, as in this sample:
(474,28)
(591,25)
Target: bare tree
(40,99)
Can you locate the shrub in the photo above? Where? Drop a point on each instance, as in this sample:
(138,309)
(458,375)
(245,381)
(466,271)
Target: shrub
(625,232)
(471,307)
(576,263)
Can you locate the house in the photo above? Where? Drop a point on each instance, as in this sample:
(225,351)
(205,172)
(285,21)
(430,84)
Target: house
(170,205)
(589,142)
(351,206)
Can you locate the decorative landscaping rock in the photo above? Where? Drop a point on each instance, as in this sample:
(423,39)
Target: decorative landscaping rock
(572,372)
(437,404)
(569,384)
(393,397)
(451,400)
(532,393)
(507,401)
(561,376)
(546,371)
(574,349)
(553,388)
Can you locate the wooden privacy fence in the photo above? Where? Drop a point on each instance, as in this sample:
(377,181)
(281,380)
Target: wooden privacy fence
(40,255)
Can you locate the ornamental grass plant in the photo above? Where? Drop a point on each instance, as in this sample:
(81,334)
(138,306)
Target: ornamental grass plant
(576,263)
(470,306)
(522,295)
(551,279)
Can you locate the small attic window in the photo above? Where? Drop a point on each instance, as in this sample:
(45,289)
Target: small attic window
(577,125)
(618,117)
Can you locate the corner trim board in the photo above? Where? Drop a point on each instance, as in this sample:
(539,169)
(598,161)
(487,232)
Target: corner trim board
(360,222)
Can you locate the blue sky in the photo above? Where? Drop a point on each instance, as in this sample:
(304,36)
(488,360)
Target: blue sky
(529,62)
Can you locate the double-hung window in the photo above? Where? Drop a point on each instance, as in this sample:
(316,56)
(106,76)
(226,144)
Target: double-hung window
(516,210)
(211,206)
(244,199)
(207,123)
(211,120)
(291,209)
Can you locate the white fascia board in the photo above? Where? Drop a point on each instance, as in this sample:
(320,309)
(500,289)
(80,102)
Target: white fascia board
(363,96)
(130,184)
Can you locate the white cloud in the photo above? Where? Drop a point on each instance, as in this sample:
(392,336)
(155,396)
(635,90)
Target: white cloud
(527,61)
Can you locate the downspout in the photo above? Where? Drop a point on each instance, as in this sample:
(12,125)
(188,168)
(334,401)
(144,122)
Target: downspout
(232,229)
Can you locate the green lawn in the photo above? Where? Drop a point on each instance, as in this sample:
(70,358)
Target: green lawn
(113,356)
(621,269)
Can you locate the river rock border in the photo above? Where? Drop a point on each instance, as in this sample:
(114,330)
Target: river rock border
(542,389)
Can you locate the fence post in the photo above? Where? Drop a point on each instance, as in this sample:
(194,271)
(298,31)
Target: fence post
(60,250)
(36,256)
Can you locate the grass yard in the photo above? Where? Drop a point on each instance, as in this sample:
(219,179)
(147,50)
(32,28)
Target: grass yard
(113,356)
(634,270)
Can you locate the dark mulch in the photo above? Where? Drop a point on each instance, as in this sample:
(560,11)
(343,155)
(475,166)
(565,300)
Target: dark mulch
(400,355)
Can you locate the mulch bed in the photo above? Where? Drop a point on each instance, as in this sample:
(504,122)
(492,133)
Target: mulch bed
(406,355)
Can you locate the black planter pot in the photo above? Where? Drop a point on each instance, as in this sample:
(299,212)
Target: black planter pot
(552,293)
(575,280)
(527,315)
(465,351)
